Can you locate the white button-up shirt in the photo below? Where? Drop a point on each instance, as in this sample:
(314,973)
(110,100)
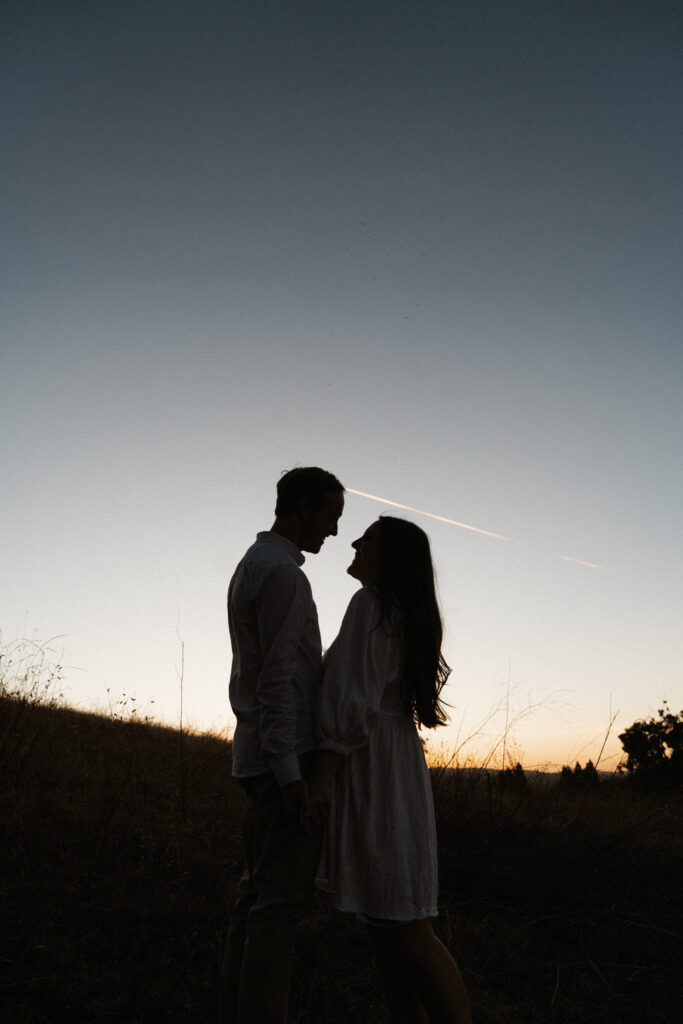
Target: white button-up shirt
(276,660)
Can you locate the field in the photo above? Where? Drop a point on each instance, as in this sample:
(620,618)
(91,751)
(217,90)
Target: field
(120,851)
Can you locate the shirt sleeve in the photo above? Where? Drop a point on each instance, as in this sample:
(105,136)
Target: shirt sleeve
(281,615)
(354,677)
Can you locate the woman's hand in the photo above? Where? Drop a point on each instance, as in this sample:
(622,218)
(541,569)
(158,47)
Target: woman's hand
(320,790)
(322,783)
(296,801)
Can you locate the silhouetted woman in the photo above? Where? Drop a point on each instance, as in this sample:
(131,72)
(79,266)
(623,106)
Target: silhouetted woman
(382,677)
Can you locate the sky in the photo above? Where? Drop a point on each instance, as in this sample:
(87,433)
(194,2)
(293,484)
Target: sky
(433,247)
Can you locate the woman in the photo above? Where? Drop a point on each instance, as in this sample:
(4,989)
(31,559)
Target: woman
(382,677)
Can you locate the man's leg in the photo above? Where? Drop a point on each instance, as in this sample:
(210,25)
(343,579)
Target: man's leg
(231,970)
(282,876)
(237,927)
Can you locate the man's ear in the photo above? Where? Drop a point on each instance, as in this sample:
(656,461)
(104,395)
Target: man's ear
(304,508)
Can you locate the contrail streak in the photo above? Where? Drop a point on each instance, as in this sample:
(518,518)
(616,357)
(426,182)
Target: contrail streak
(580,561)
(421,512)
(463,526)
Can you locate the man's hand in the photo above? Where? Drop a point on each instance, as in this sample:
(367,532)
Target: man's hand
(296,802)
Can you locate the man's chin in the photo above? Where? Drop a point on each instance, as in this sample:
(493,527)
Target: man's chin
(312,547)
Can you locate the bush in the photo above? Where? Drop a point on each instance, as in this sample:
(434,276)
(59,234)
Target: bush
(654,747)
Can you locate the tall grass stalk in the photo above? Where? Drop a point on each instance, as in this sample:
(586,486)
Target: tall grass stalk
(30,676)
(181,746)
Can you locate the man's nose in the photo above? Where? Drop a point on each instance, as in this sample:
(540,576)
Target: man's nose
(333,530)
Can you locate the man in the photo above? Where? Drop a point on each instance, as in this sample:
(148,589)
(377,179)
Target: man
(274,683)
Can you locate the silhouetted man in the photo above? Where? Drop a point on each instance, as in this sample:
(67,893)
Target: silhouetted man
(274,683)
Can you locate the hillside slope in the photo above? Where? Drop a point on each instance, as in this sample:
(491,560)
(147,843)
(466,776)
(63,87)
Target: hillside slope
(121,849)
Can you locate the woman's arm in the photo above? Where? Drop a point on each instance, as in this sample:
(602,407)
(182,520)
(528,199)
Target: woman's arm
(349,693)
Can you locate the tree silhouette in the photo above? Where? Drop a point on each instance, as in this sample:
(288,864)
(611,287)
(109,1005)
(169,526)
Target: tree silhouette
(590,778)
(580,778)
(514,779)
(654,747)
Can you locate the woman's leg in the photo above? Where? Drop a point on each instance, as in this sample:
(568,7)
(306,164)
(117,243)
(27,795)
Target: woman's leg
(405,1004)
(416,953)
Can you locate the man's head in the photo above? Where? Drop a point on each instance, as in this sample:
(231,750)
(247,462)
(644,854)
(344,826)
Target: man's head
(309,504)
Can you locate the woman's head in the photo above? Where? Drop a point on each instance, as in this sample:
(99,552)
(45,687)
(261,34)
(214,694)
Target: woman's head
(366,561)
(394,555)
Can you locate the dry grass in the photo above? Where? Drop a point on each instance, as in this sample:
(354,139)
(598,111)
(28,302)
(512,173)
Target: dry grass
(560,907)
(568,904)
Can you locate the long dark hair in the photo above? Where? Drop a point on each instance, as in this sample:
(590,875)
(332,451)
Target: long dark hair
(405,582)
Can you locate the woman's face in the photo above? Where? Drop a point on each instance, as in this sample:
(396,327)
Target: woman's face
(365,565)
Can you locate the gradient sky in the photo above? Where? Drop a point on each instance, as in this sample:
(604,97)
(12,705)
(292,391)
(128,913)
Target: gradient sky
(434,247)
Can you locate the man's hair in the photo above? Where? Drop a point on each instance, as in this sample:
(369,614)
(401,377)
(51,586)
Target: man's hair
(305,482)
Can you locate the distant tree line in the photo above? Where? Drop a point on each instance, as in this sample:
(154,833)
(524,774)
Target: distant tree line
(580,778)
(653,749)
(514,779)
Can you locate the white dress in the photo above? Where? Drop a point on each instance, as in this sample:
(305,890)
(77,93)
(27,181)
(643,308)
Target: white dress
(379,855)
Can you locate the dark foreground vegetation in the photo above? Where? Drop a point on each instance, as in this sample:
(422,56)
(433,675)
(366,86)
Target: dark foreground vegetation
(120,851)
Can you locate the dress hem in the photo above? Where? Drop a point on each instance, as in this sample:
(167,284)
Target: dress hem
(378,915)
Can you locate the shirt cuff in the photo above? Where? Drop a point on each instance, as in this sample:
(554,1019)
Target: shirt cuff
(286,769)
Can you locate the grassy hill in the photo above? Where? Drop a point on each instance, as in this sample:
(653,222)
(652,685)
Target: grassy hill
(120,851)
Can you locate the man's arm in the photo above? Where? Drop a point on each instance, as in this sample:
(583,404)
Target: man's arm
(281,613)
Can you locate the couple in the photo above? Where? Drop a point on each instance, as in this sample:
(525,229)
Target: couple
(331,760)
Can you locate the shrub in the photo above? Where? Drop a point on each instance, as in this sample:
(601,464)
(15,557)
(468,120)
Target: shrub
(654,747)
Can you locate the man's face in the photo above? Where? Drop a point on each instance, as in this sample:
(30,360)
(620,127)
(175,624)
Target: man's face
(317,525)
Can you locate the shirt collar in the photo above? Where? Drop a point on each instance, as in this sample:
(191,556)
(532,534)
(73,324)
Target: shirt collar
(276,538)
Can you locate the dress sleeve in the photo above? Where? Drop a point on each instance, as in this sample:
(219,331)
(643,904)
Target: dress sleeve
(355,673)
